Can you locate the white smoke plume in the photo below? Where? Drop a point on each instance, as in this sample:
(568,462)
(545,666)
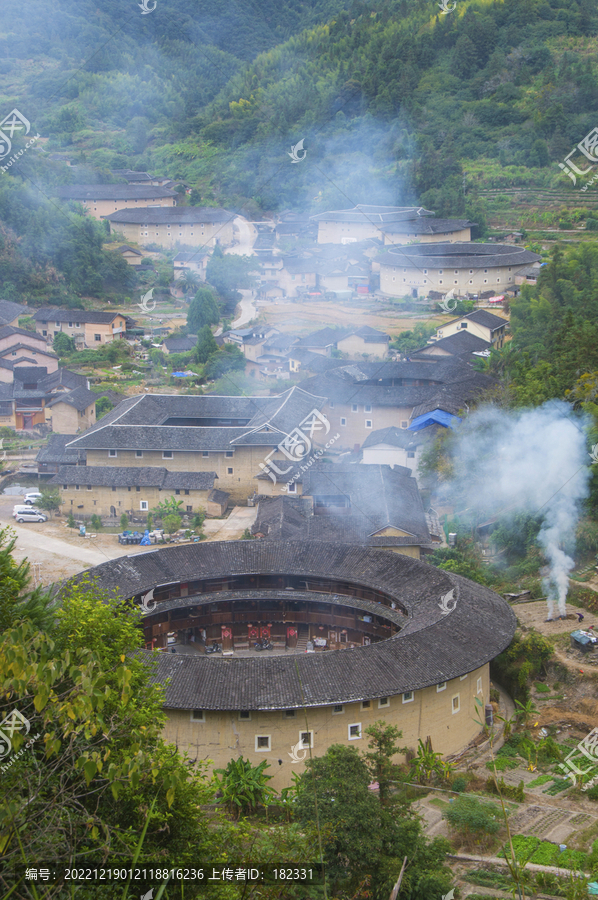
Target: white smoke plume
(533,461)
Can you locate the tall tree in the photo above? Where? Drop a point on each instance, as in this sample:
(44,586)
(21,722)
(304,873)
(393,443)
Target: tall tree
(206,345)
(203,310)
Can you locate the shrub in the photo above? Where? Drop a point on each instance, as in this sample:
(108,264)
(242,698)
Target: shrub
(459,784)
(96,522)
(124,522)
(541,687)
(71,521)
(473,820)
(506,790)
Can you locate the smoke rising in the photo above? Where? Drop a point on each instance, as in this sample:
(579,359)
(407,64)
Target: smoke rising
(532,461)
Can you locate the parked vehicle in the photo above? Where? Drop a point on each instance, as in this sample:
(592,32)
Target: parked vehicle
(215,648)
(31,515)
(32,498)
(20,507)
(263,644)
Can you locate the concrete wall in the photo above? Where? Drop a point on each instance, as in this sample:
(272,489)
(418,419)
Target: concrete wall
(289,282)
(240,483)
(355,345)
(30,339)
(354,431)
(399,280)
(100,500)
(105,207)
(223,736)
(65,419)
(174,235)
(496,339)
(462,235)
(86,331)
(387,455)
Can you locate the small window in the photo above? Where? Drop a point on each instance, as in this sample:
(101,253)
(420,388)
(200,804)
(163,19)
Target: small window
(198,715)
(139,454)
(462,677)
(441,687)
(177,491)
(189,508)
(440,271)
(45,333)
(77,487)
(292,489)
(479,685)
(408,697)
(65,487)
(167,454)
(70,324)
(229,471)
(88,487)
(262,743)
(404,424)
(485,271)
(456,701)
(464,324)
(205,453)
(367,407)
(229,454)
(440,281)
(368,423)
(289,713)
(383,702)
(343,421)
(331,404)
(244,715)
(366,704)
(354,732)
(143,504)
(306,739)
(186,493)
(354,407)
(338,709)
(411,454)
(114,490)
(112,453)
(57,324)
(97,337)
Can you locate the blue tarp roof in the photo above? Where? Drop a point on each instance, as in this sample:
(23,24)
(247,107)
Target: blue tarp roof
(435,417)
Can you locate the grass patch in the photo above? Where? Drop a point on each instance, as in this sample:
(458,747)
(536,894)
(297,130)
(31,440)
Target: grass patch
(538,781)
(503,763)
(541,687)
(544,853)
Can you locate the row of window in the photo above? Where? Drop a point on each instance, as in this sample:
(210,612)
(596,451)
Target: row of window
(167,454)
(441,271)
(137,488)
(143,506)
(354,408)
(440,281)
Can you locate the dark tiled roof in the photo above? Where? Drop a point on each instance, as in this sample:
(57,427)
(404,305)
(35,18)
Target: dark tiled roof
(134,476)
(430,226)
(9,311)
(63,377)
(165,437)
(92,317)
(30,349)
(483,317)
(458,254)
(174,214)
(384,497)
(315,362)
(113,192)
(379,215)
(80,398)
(430,648)
(56,453)
(29,373)
(182,344)
(9,330)
(216,496)
(126,249)
(463,343)
(396,437)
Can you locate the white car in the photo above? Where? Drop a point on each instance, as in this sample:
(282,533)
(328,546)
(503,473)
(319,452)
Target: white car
(32,498)
(31,515)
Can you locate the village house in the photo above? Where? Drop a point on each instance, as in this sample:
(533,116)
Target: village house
(143,178)
(132,256)
(373,506)
(196,263)
(189,226)
(392,224)
(10,312)
(353,341)
(463,268)
(59,400)
(135,491)
(72,412)
(12,336)
(398,447)
(55,455)
(481,324)
(179,344)
(462,344)
(234,437)
(88,328)
(364,397)
(102,199)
